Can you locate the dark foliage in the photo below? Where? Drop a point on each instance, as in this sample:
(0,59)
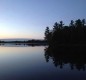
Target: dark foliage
(61,34)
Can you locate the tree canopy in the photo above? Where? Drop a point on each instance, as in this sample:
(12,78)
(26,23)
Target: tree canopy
(75,32)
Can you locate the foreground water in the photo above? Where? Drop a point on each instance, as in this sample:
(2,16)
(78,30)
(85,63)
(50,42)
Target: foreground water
(29,63)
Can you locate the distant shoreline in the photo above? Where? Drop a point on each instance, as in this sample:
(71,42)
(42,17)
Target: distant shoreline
(29,42)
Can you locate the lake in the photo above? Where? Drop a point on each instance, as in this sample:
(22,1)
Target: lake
(30,63)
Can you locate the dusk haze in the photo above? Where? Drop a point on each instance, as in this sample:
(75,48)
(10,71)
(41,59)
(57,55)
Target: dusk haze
(29,18)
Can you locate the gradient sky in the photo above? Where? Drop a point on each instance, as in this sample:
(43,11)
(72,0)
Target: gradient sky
(29,18)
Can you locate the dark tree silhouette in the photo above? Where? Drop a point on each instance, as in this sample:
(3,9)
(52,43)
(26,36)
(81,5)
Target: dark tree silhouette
(83,22)
(56,26)
(47,31)
(48,35)
(75,33)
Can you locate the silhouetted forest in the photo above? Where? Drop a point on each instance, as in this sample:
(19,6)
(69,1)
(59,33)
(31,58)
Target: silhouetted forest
(74,33)
(72,55)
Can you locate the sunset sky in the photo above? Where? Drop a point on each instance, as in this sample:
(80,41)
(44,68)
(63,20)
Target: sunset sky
(29,18)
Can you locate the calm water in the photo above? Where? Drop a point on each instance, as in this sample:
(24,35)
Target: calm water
(29,63)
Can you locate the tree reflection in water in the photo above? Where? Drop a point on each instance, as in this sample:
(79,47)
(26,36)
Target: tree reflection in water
(73,55)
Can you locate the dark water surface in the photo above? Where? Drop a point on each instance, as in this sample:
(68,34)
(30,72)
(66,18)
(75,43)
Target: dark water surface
(29,63)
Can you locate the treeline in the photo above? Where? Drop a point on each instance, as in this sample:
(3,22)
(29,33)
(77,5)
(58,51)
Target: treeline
(74,33)
(29,41)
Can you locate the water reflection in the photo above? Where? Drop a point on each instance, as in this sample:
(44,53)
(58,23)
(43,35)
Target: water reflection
(28,63)
(20,63)
(72,55)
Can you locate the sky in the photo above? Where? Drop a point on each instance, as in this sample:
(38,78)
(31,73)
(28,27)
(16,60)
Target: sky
(29,18)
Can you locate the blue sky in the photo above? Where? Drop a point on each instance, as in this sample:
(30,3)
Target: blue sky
(29,18)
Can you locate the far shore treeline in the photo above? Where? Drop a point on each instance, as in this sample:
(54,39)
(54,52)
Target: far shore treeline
(33,41)
(74,33)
